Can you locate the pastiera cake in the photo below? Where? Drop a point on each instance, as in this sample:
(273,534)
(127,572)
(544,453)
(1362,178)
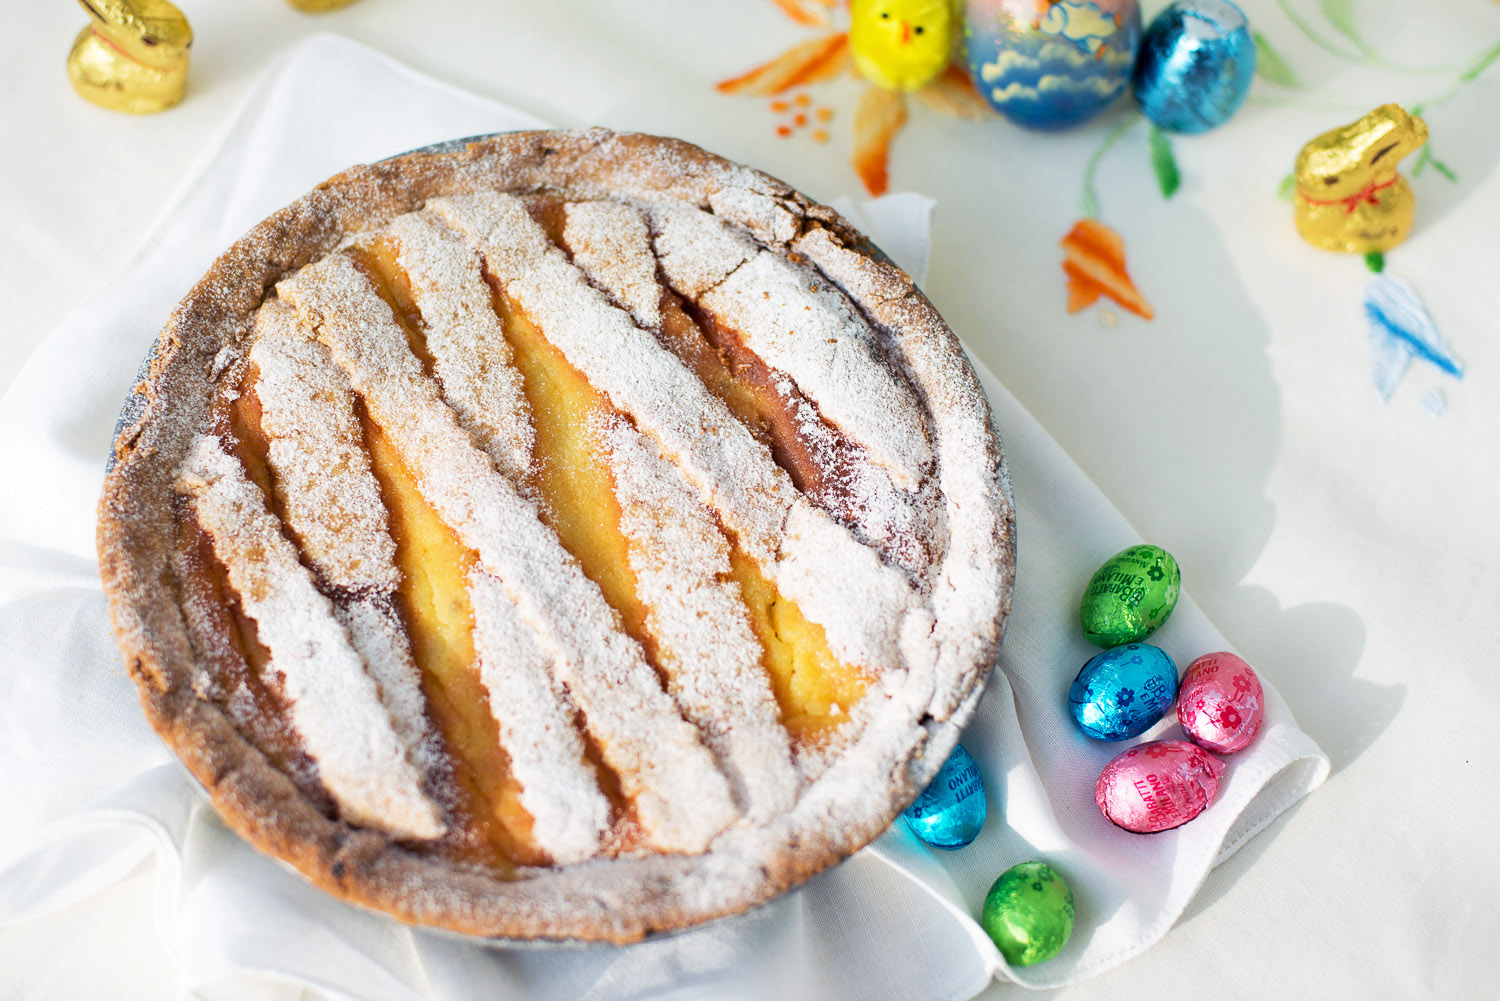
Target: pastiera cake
(567,535)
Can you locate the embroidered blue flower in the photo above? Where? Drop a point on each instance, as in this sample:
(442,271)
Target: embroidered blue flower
(1401,329)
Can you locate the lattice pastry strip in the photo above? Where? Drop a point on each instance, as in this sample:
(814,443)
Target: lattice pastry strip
(335,706)
(800,324)
(471,357)
(316,450)
(612,245)
(972,481)
(680,797)
(609,241)
(332,504)
(537,721)
(698,622)
(841,585)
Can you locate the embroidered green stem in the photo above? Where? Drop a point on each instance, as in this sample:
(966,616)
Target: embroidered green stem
(1340,14)
(1090,198)
(1168,177)
(1375,261)
(1313,35)
(1270,67)
(1480,64)
(1425,157)
(1475,69)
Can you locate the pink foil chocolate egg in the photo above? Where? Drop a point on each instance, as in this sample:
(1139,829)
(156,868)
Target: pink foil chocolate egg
(1158,785)
(1221,705)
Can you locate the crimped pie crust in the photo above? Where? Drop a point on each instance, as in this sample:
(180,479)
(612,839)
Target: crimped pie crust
(711,224)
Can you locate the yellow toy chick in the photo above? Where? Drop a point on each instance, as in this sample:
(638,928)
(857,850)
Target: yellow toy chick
(133,56)
(1348,195)
(901,44)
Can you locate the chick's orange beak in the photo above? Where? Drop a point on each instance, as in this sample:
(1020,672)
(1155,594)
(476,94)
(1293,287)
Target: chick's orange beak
(905,32)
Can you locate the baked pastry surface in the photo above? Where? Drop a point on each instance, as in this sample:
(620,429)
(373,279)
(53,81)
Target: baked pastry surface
(572,535)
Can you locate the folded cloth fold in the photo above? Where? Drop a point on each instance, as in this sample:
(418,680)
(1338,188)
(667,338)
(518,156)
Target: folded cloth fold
(90,792)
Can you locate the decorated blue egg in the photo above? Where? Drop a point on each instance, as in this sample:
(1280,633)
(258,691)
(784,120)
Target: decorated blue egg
(950,812)
(1196,64)
(1049,64)
(1121,693)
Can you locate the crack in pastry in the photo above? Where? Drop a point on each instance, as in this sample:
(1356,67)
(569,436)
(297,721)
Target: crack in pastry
(611,245)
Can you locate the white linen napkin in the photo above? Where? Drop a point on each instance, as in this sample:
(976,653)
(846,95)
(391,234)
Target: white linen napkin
(89,792)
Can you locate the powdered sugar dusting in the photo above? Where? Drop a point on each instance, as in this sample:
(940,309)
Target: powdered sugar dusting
(333,506)
(975,577)
(471,357)
(901,523)
(379,637)
(680,796)
(335,706)
(800,327)
(323,474)
(610,243)
(698,621)
(769,219)
(838,583)
(538,725)
(861,494)
(696,250)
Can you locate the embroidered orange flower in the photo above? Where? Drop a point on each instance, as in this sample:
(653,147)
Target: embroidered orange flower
(879,113)
(1095,266)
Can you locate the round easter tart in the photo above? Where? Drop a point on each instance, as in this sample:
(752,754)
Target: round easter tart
(557,536)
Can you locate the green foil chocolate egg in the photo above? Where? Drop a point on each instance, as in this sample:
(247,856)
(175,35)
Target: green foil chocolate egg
(1130,596)
(1029,913)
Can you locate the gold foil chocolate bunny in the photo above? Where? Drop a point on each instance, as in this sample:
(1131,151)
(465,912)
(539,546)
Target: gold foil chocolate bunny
(133,56)
(1348,195)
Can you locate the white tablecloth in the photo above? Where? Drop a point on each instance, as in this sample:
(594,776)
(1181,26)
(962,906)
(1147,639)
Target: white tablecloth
(1345,547)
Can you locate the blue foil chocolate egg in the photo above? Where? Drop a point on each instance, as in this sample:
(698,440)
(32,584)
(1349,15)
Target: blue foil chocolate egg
(951,810)
(1051,65)
(1121,693)
(1196,63)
